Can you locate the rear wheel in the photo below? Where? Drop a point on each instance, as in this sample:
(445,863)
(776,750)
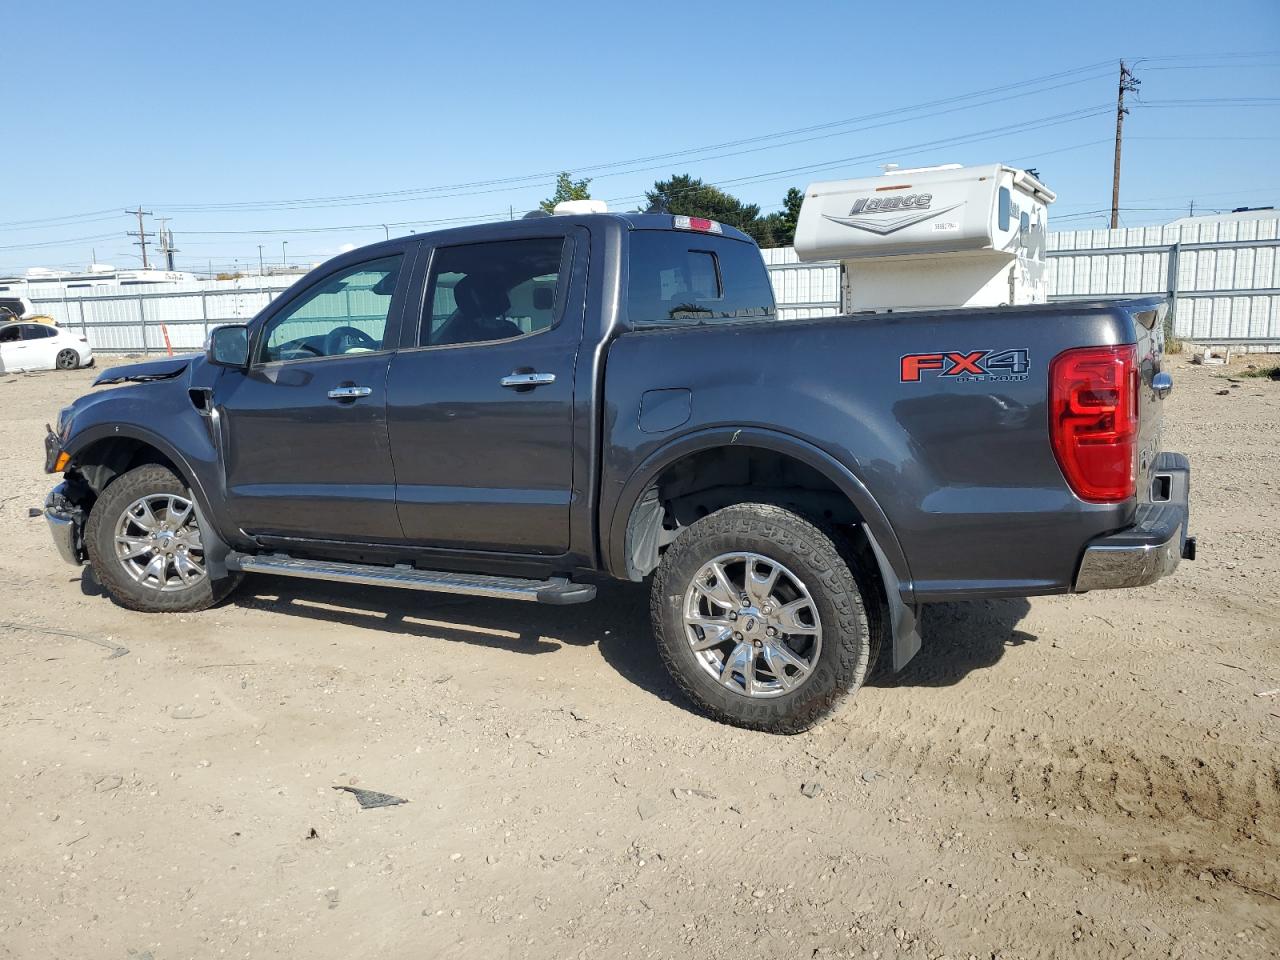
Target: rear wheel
(67,360)
(761,618)
(145,544)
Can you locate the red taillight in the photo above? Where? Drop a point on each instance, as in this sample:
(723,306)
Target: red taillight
(1093,420)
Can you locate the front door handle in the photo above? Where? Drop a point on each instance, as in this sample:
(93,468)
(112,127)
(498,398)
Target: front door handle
(349,393)
(525,381)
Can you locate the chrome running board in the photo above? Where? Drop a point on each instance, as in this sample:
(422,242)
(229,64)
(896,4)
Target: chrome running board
(557,590)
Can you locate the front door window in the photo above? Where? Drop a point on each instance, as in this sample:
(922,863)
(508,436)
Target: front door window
(344,314)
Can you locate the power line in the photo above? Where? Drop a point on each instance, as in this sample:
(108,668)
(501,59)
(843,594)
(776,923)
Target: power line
(962,139)
(1178,62)
(977,136)
(525,180)
(1214,102)
(1231,55)
(1213,66)
(59,243)
(69,220)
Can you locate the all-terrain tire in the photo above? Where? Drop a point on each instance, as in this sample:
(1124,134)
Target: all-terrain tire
(99,539)
(841,589)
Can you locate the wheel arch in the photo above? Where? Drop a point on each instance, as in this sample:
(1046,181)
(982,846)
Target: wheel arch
(636,518)
(103,453)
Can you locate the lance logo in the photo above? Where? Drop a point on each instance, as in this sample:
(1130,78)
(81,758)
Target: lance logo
(886,215)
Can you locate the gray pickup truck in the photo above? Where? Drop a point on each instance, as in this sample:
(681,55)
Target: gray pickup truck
(517,409)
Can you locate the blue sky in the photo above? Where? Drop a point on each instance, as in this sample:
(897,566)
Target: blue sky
(223,118)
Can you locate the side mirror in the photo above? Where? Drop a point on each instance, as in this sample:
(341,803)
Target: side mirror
(229,346)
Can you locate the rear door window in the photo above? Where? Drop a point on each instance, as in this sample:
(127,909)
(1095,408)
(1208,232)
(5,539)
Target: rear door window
(487,292)
(679,278)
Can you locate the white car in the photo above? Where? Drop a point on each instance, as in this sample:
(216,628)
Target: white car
(39,346)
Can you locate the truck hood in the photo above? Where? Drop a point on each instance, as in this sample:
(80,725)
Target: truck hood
(147,370)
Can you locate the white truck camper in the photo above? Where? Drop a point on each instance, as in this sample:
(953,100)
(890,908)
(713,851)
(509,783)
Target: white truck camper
(931,238)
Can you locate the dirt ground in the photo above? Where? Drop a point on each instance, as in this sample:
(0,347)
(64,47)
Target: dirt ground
(1089,776)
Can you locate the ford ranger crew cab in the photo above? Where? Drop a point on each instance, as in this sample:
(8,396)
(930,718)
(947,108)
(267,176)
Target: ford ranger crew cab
(518,409)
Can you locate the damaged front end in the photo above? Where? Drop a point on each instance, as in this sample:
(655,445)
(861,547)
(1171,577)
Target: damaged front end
(66,524)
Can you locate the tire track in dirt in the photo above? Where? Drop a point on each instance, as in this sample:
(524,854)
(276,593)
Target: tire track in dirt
(1226,786)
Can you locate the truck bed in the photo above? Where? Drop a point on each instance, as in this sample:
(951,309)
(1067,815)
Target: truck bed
(960,468)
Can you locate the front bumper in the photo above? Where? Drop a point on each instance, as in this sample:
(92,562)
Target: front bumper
(1151,548)
(66,525)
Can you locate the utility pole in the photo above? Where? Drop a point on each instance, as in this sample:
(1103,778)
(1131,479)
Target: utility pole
(284,256)
(166,243)
(1128,84)
(259,259)
(141,233)
(386,231)
(1191,209)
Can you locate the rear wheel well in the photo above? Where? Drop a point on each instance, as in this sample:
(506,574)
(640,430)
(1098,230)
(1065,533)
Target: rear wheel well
(709,480)
(100,463)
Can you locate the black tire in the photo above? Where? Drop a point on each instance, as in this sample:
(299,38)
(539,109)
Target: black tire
(837,584)
(67,360)
(99,539)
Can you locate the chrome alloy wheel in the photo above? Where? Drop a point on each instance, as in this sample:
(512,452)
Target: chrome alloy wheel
(752,625)
(158,542)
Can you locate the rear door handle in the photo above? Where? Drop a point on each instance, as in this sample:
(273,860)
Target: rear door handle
(349,393)
(526,381)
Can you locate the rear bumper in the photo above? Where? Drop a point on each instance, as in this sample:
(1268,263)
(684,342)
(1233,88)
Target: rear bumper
(66,525)
(1153,546)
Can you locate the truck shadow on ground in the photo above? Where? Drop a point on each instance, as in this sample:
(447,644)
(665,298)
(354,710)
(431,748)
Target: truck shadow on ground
(959,638)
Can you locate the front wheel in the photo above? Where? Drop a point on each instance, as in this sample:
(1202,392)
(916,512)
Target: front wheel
(145,545)
(761,618)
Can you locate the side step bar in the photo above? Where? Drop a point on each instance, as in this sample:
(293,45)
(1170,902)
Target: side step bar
(557,590)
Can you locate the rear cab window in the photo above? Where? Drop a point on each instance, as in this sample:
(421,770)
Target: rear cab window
(682,278)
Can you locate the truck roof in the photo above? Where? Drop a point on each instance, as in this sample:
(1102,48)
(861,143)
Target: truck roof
(530,226)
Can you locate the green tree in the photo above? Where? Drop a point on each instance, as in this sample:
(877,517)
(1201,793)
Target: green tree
(688,196)
(567,189)
(782,225)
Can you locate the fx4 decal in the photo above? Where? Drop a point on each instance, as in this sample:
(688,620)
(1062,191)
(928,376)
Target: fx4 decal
(967,366)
